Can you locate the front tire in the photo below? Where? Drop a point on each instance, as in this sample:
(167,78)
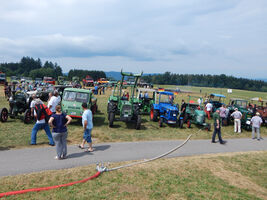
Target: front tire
(138,122)
(181,123)
(111,119)
(153,115)
(160,122)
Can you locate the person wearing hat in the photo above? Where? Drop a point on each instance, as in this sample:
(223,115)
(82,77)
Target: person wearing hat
(256,122)
(237,115)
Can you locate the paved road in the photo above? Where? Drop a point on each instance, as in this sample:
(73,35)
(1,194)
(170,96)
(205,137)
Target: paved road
(13,162)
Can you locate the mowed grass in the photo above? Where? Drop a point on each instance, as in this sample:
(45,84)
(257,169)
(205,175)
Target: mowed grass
(15,134)
(221,176)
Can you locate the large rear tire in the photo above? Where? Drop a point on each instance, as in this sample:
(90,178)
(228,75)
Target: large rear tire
(3,114)
(111,119)
(138,122)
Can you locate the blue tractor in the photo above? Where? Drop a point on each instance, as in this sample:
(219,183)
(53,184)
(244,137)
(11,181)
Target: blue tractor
(164,109)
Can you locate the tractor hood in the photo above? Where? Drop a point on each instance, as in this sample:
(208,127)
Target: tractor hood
(169,106)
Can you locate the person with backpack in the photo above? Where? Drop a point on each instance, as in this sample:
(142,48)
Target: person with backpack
(42,114)
(59,122)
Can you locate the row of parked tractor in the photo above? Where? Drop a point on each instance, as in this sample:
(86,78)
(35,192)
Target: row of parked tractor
(161,108)
(129,103)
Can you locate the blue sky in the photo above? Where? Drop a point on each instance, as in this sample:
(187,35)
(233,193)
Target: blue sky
(180,36)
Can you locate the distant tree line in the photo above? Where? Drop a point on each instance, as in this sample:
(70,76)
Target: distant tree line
(83,73)
(218,81)
(29,67)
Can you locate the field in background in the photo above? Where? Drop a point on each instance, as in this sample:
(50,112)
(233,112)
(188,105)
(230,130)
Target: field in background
(220,176)
(15,134)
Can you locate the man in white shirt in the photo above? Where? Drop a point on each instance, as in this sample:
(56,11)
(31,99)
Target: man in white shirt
(53,102)
(33,102)
(256,122)
(237,115)
(208,109)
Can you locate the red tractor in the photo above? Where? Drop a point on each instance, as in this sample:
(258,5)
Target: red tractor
(88,81)
(49,80)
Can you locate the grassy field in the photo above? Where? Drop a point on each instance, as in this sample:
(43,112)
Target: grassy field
(221,176)
(15,134)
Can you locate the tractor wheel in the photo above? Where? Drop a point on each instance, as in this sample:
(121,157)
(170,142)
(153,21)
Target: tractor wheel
(181,123)
(153,114)
(3,115)
(160,122)
(188,124)
(27,116)
(138,122)
(208,127)
(111,119)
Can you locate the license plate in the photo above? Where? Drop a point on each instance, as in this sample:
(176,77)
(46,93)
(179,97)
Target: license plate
(73,113)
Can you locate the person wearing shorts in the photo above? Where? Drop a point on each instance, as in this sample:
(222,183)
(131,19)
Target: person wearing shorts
(87,121)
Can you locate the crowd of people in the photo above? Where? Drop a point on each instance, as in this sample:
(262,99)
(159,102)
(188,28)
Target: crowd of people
(52,116)
(221,117)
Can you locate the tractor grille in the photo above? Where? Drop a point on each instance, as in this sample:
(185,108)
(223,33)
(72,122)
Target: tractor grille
(126,110)
(173,113)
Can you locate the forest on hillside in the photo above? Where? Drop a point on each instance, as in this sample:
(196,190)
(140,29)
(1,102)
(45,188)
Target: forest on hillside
(203,80)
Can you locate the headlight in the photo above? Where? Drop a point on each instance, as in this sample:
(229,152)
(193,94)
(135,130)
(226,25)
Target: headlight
(11,99)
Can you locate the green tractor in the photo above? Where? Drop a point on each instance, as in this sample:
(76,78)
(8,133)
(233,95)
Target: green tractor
(76,82)
(60,80)
(195,114)
(19,103)
(126,106)
(147,98)
(242,106)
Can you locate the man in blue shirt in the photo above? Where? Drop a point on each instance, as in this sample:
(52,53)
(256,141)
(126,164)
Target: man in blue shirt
(87,121)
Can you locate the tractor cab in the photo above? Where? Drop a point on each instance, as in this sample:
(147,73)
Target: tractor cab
(217,100)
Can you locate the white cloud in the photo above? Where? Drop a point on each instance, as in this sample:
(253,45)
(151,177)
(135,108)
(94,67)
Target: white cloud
(193,33)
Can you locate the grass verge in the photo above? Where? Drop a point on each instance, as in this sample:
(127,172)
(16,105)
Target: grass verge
(223,176)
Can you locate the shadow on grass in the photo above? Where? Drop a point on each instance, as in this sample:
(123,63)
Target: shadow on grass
(6,148)
(99,121)
(76,122)
(132,124)
(116,126)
